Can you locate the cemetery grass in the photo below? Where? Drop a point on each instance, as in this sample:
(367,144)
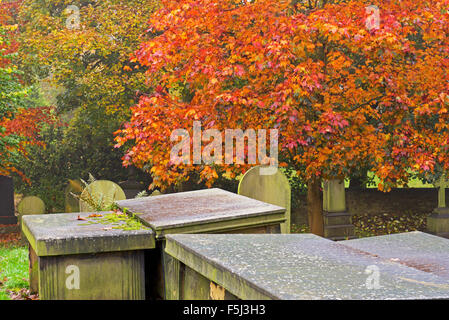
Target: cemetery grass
(380,224)
(14,283)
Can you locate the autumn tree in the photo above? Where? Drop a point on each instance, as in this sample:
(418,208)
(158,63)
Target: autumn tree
(343,94)
(19,124)
(83,48)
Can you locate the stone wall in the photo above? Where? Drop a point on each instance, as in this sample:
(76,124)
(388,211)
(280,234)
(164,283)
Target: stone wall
(373,201)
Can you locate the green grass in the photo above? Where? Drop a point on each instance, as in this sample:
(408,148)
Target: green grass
(13,269)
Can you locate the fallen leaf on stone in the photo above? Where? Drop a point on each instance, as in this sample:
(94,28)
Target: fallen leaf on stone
(394,259)
(94,215)
(81,218)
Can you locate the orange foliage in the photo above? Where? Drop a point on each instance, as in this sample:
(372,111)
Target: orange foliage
(342,95)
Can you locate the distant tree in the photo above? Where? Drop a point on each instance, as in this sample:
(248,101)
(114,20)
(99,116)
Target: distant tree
(345,92)
(84,47)
(19,124)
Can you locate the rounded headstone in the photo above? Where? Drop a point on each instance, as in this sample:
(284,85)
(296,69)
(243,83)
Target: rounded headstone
(270,188)
(71,203)
(107,191)
(31,205)
(155,193)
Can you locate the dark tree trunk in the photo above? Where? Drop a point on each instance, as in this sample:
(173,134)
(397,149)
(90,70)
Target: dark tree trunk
(315,207)
(356,183)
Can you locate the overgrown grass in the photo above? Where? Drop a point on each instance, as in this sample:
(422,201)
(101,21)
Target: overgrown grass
(13,269)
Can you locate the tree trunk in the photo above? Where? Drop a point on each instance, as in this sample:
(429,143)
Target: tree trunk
(315,207)
(358,181)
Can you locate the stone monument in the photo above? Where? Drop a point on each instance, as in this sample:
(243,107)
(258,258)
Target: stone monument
(31,205)
(337,221)
(274,189)
(438,221)
(71,203)
(103,193)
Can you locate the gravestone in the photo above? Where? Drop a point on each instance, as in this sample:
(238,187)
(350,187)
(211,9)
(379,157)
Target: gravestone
(72,259)
(291,267)
(156,193)
(337,221)
(438,221)
(71,203)
(102,192)
(201,211)
(274,189)
(31,205)
(7,215)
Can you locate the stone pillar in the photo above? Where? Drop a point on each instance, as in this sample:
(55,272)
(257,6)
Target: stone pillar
(337,221)
(7,215)
(438,221)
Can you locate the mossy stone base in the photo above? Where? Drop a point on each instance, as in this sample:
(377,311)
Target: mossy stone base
(102,276)
(438,222)
(338,226)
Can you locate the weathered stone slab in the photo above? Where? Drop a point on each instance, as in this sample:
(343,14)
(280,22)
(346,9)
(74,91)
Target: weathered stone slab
(104,260)
(296,266)
(416,249)
(7,201)
(210,210)
(64,234)
(273,188)
(203,211)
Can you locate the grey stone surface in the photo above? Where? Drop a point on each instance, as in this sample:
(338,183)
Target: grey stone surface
(64,234)
(416,249)
(305,266)
(195,207)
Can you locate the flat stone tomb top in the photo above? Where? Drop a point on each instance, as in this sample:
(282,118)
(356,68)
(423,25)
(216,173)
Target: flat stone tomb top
(196,207)
(64,234)
(416,249)
(300,266)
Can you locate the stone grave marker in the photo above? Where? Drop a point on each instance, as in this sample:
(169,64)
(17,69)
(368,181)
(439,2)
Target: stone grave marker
(72,259)
(337,221)
(7,216)
(156,193)
(274,189)
(290,267)
(31,205)
(72,204)
(438,221)
(101,191)
(201,211)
